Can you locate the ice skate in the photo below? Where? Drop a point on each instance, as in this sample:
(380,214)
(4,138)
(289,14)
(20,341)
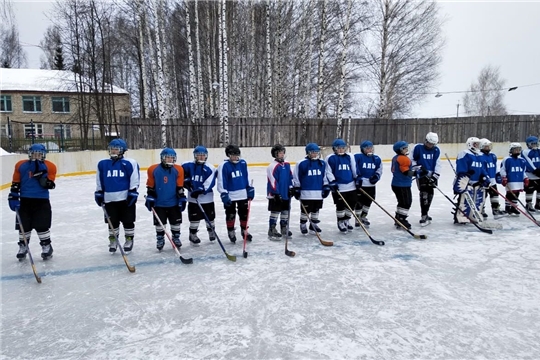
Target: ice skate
(249,237)
(193,238)
(232,235)
(303,228)
(342,226)
(529,206)
(112,244)
(46,251)
(23,250)
(313,228)
(273,234)
(211,234)
(160,242)
(128,245)
(176,241)
(498,213)
(425,220)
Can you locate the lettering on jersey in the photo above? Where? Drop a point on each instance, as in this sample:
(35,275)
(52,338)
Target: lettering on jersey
(535,160)
(236,174)
(314,172)
(427,156)
(368,166)
(490,165)
(197,178)
(344,167)
(516,169)
(476,164)
(115,173)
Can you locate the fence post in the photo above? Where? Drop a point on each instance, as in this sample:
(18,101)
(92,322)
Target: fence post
(93,139)
(10,135)
(61,137)
(32,134)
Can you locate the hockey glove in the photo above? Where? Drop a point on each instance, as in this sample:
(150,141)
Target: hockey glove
(498,178)
(99,196)
(278,199)
(326,191)
(291,192)
(14,201)
(358,182)
(187,184)
(250,192)
(41,170)
(198,191)
(226,200)
(504,181)
(150,202)
(333,186)
(132,197)
(536,172)
(421,172)
(182,202)
(297,193)
(409,173)
(526,182)
(374,178)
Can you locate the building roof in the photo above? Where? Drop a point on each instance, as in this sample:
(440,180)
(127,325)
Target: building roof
(44,81)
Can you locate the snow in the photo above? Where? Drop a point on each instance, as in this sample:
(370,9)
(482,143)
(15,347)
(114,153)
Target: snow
(42,81)
(4,152)
(460,294)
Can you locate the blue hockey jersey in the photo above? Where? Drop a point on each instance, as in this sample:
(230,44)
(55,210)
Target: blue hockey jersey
(429,159)
(469,163)
(279,176)
(310,176)
(532,162)
(116,177)
(513,168)
(367,166)
(165,180)
(490,162)
(201,175)
(233,179)
(342,170)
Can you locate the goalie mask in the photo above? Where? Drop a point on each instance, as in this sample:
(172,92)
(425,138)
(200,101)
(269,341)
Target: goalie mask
(473,144)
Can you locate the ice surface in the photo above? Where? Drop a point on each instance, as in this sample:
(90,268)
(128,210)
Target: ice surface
(461,294)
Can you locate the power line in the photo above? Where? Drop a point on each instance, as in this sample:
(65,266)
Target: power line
(440,93)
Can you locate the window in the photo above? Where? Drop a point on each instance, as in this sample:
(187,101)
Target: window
(36,129)
(4,130)
(5,103)
(58,131)
(31,103)
(60,104)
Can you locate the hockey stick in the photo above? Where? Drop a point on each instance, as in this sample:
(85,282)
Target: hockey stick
(323,243)
(376,242)
(230,257)
(244,252)
(183,260)
(38,278)
(130,268)
(488,231)
(527,214)
(423,237)
(287,251)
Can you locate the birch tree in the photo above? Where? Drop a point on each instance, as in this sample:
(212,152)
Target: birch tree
(486,96)
(320,71)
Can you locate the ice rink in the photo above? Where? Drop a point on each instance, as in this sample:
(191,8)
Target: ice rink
(460,294)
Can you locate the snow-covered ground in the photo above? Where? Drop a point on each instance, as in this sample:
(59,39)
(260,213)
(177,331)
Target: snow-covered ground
(460,294)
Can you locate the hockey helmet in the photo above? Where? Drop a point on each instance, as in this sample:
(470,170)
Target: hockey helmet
(37,152)
(339,144)
(532,142)
(473,144)
(485,145)
(365,146)
(119,147)
(432,138)
(515,148)
(276,149)
(313,149)
(400,146)
(168,157)
(200,151)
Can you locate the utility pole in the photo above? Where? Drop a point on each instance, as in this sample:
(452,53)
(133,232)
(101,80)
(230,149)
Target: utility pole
(457,112)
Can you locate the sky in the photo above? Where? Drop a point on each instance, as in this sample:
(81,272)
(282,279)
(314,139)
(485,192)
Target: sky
(459,294)
(478,33)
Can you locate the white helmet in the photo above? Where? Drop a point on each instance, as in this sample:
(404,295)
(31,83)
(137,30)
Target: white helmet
(513,146)
(485,142)
(473,144)
(432,138)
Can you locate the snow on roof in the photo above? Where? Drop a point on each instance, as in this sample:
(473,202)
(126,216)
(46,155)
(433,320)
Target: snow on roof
(42,81)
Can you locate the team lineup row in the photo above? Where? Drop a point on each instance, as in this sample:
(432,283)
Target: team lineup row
(350,178)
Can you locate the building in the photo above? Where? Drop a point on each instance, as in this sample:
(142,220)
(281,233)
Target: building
(56,105)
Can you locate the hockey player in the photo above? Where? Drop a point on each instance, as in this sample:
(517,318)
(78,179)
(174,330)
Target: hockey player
(165,193)
(29,194)
(341,174)
(279,185)
(117,181)
(490,160)
(532,159)
(235,190)
(514,177)
(471,176)
(200,179)
(310,187)
(368,172)
(403,174)
(427,155)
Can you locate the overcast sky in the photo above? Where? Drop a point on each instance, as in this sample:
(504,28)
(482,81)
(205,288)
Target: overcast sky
(503,34)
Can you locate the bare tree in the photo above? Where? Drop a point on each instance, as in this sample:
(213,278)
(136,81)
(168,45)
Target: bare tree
(12,54)
(51,44)
(403,54)
(486,96)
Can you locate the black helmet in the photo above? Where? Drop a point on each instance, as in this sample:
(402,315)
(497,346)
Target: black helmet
(277,148)
(232,150)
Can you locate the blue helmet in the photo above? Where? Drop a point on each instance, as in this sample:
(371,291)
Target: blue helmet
(338,143)
(200,150)
(37,149)
(399,146)
(366,144)
(118,144)
(168,153)
(532,142)
(312,148)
